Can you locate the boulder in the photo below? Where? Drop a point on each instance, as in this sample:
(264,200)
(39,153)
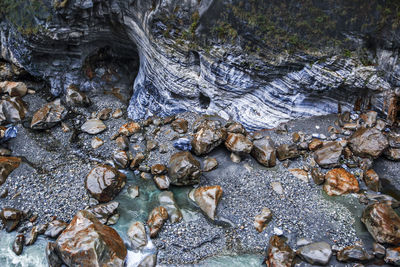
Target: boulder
(121,158)
(104,182)
(158,169)
(10,218)
(13,88)
(353,253)
(74,97)
(104,212)
(286,151)
(7,165)
(161,181)
(238,143)
(53,260)
(208,197)
(328,155)
(210,164)
(316,253)
(167,200)
(261,220)
(180,125)
(383,223)
(393,256)
(184,169)
(12,110)
(368,142)
(371,179)
(339,182)
(137,235)
(49,115)
(55,228)
(87,242)
(156,220)
(279,254)
(93,126)
(208,135)
(264,151)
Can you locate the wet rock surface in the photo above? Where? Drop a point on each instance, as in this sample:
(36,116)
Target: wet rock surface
(339,182)
(137,235)
(10,218)
(354,253)
(184,169)
(156,220)
(328,155)
(208,135)
(279,253)
(208,198)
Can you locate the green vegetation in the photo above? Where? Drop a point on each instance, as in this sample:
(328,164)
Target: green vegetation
(24,14)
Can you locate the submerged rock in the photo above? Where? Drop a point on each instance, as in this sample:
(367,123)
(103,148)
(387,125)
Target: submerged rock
(328,155)
(104,182)
(137,235)
(49,115)
(261,220)
(367,142)
(238,143)
(7,165)
(87,242)
(10,218)
(18,244)
(207,198)
(184,169)
(53,260)
(167,200)
(383,223)
(156,220)
(93,126)
(339,182)
(208,135)
(316,253)
(353,253)
(279,253)
(264,151)
(104,212)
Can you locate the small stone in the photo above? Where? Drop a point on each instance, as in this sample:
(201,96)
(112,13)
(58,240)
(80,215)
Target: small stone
(296,137)
(210,164)
(315,144)
(261,220)
(316,253)
(4,192)
(55,228)
(369,118)
(65,128)
(286,151)
(104,114)
(392,153)
(300,174)
(371,179)
(167,200)
(133,191)
(180,125)
(151,145)
(208,135)
(208,197)
(318,176)
(137,235)
(156,220)
(162,181)
(122,142)
(279,253)
(117,113)
(18,244)
(235,158)
(13,88)
(137,160)
(74,97)
(7,166)
(129,128)
(96,142)
(149,261)
(339,182)
(159,169)
(49,115)
(104,212)
(146,176)
(31,237)
(353,253)
(264,151)
(93,126)
(328,155)
(379,250)
(10,218)
(277,187)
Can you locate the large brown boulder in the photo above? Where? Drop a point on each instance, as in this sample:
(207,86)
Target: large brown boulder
(184,169)
(383,223)
(238,143)
(87,242)
(279,253)
(49,115)
(339,182)
(264,151)
(367,142)
(104,182)
(328,155)
(7,165)
(208,135)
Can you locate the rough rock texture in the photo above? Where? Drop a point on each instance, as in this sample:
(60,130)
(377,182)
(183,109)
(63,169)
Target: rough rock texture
(209,134)
(7,165)
(156,220)
(279,253)
(207,197)
(184,169)
(264,152)
(10,218)
(368,142)
(353,253)
(239,68)
(339,182)
(383,223)
(328,156)
(49,115)
(87,242)
(316,253)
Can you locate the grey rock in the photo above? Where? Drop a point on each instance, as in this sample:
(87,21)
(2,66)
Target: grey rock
(167,200)
(137,235)
(93,126)
(184,169)
(316,253)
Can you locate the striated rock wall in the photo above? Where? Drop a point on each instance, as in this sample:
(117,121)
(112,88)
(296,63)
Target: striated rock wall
(259,62)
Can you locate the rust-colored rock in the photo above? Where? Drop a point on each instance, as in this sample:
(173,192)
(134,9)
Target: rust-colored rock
(383,223)
(371,179)
(339,182)
(180,125)
(49,115)
(238,143)
(208,135)
(208,197)
(87,242)
(261,220)
(184,169)
(286,151)
(129,128)
(279,253)
(7,165)
(12,110)
(10,218)
(104,182)
(156,220)
(13,88)
(158,169)
(315,144)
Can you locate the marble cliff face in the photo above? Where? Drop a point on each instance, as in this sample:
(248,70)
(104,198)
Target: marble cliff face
(258,62)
